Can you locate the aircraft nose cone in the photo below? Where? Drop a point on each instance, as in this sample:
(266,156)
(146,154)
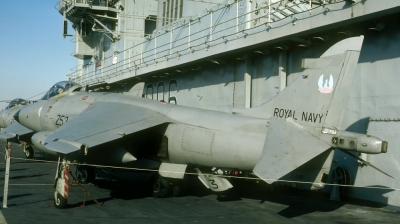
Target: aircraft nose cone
(16,116)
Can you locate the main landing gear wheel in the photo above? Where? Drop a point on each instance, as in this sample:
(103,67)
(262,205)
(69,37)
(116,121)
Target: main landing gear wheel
(59,201)
(29,152)
(160,186)
(86,174)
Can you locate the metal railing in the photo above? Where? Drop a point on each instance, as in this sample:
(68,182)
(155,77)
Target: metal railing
(215,32)
(61,3)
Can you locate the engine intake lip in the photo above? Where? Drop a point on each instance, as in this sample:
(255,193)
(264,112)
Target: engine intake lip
(16,116)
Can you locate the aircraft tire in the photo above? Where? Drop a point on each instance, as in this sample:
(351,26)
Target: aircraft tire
(160,186)
(86,174)
(29,152)
(59,201)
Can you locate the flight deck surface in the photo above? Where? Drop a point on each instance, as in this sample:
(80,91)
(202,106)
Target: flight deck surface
(126,199)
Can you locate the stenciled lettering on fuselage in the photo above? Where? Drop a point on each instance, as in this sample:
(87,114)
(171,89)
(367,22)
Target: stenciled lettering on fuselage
(214,185)
(305,116)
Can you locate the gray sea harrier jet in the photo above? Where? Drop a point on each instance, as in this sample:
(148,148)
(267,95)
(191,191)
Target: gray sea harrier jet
(291,135)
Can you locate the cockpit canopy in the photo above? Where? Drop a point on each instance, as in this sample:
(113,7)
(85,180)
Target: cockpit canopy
(15,102)
(59,88)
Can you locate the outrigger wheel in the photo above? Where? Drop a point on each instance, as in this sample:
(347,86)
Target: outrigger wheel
(59,201)
(160,186)
(29,152)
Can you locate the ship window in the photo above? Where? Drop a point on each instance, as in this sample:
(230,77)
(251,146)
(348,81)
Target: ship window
(160,91)
(173,88)
(172,100)
(149,92)
(172,10)
(150,25)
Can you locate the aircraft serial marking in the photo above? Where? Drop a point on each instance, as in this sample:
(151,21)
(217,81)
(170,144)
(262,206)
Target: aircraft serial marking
(214,185)
(305,116)
(61,120)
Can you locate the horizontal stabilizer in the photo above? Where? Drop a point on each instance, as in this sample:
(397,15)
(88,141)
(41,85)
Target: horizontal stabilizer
(287,147)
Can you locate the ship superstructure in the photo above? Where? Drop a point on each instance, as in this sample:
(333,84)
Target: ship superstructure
(229,54)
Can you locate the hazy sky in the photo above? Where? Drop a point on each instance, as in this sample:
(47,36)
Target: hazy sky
(33,53)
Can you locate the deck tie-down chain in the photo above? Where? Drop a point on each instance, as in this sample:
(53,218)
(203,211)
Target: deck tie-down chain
(76,181)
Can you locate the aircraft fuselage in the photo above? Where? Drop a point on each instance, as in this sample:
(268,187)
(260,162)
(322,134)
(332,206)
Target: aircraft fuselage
(198,137)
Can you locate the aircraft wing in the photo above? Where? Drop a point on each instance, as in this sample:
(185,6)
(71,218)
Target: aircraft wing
(13,131)
(101,123)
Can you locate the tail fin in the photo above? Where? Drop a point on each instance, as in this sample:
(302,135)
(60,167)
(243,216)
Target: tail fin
(319,95)
(316,99)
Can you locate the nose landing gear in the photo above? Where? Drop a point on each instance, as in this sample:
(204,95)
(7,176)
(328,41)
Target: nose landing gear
(28,151)
(62,185)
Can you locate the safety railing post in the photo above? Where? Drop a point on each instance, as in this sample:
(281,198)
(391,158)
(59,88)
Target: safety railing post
(129,61)
(269,12)
(94,70)
(102,66)
(141,53)
(170,40)
(155,48)
(248,15)
(189,34)
(211,25)
(7,174)
(237,18)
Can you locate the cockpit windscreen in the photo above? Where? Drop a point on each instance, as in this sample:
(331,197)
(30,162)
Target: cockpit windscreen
(58,88)
(15,102)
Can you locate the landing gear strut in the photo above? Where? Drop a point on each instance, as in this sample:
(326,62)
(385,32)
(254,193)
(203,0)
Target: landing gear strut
(61,184)
(7,151)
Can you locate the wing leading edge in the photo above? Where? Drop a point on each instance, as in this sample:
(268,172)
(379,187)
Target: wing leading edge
(14,131)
